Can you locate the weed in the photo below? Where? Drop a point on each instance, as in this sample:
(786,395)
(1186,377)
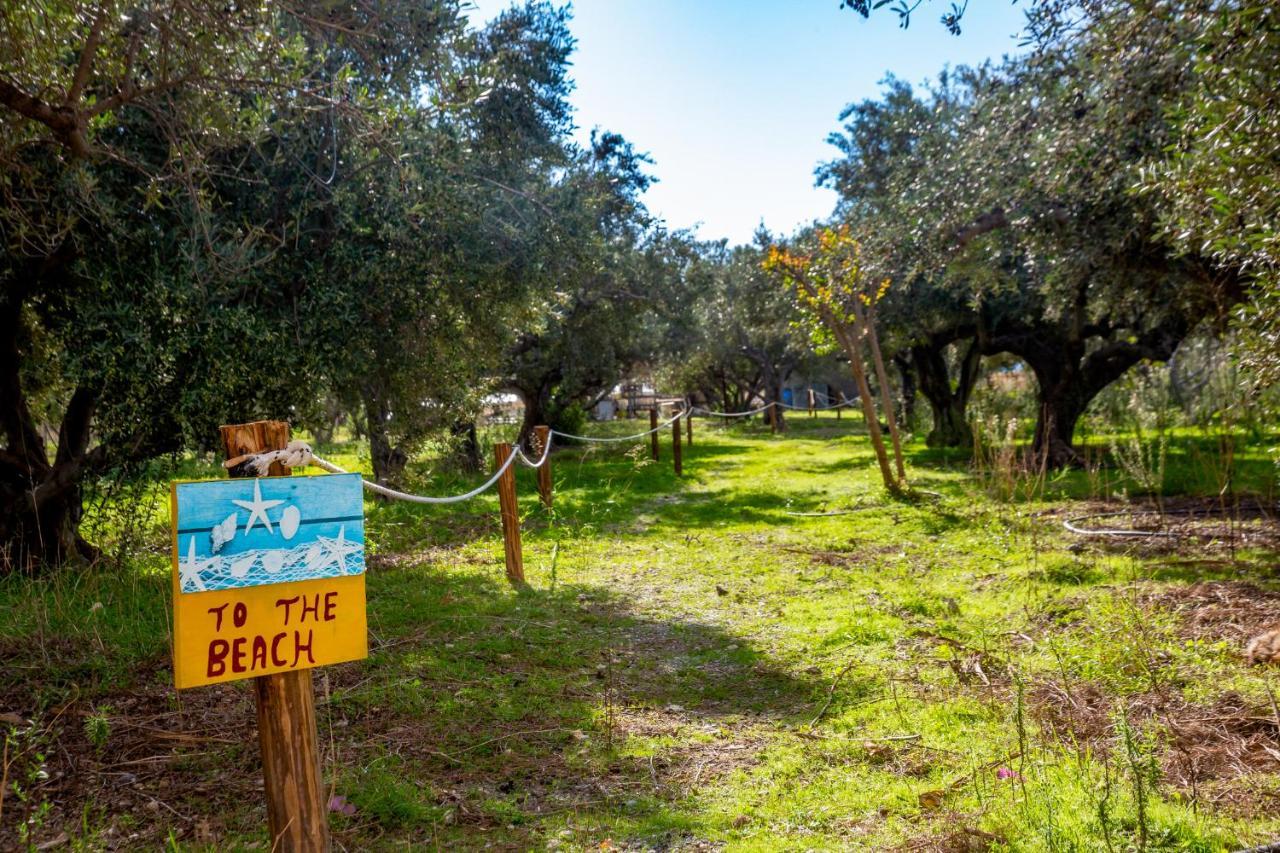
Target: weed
(97,727)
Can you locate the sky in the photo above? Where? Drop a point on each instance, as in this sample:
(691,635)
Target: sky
(734,99)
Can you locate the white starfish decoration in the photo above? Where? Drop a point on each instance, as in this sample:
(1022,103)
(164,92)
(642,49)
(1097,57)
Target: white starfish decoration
(336,551)
(190,569)
(257,508)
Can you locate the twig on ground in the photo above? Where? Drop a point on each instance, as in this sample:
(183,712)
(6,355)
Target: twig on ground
(828,513)
(452,756)
(831,692)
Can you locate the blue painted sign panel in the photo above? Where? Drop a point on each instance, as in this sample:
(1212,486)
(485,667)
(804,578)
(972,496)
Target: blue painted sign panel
(252,532)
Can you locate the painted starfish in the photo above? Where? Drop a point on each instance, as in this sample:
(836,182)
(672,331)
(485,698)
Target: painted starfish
(189,570)
(336,550)
(257,508)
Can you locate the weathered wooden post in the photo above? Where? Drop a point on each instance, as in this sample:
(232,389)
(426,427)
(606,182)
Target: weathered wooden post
(773,416)
(813,410)
(675,447)
(510,515)
(688,426)
(653,435)
(296,808)
(839,405)
(543,434)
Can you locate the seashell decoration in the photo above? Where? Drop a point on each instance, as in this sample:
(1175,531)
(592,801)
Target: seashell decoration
(223,533)
(241,567)
(289,521)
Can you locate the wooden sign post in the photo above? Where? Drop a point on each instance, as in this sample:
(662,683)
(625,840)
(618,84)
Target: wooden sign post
(268,582)
(510,515)
(675,447)
(653,436)
(543,434)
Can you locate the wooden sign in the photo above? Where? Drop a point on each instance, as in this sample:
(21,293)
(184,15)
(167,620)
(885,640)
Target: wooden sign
(268,576)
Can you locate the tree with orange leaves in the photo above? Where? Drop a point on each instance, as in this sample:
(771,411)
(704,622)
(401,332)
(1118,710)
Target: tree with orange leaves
(829,281)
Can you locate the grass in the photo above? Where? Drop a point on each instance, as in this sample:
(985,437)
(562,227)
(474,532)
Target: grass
(717,661)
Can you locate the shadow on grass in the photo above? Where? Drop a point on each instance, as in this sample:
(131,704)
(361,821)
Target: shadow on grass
(480,714)
(523,705)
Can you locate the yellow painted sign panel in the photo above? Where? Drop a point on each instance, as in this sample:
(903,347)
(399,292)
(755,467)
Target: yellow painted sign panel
(268,576)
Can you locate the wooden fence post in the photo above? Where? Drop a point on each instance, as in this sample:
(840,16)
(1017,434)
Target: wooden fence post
(296,809)
(653,437)
(675,447)
(773,416)
(510,516)
(543,434)
(813,411)
(839,405)
(688,426)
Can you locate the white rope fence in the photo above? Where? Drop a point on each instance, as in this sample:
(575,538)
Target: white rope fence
(298,454)
(647,432)
(837,405)
(546,452)
(734,414)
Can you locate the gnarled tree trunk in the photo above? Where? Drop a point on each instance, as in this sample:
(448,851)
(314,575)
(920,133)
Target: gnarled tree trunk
(1069,376)
(907,376)
(40,498)
(947,402)
(468,447)
(389,460)
(537,409)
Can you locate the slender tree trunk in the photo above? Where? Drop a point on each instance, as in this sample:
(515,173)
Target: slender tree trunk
(852,348)
(867,322)
(772,390)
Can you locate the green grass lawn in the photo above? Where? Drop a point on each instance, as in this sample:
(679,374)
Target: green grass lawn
(769,653)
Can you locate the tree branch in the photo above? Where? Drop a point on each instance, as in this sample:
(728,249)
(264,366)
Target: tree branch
(87,55)
(990,221)
(63,121)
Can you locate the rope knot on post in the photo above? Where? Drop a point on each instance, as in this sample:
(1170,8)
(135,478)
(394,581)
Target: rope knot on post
(296,454)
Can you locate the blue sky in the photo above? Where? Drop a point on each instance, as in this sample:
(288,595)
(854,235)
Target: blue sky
(734,99)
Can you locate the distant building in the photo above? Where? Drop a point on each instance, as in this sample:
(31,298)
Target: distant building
(827,390)
(504,408)
(634,399)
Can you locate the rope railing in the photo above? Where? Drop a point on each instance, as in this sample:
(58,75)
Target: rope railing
(837,405)
(815,408)
(420,499)
(647,432)
(298,454)
(763,408)
(529,463)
